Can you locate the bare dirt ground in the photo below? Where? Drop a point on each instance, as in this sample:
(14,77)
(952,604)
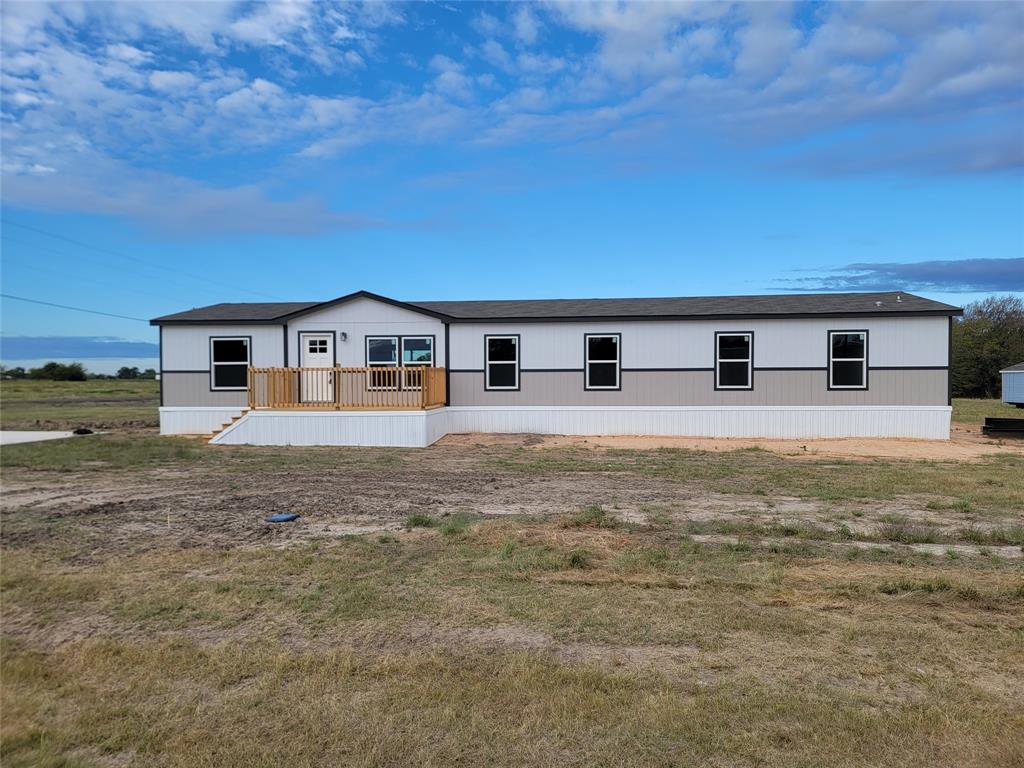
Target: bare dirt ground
(217,504)
(966,443)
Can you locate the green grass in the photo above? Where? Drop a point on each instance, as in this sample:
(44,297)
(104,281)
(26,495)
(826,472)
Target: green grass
(616,648)
(104,452)
(972,411)
(97,404)
(991,484)
(592,516)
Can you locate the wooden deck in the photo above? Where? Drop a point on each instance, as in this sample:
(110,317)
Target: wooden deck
(347,389)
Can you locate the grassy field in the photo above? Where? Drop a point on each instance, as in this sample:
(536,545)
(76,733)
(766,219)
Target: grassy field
(96,404)
(507,605)
(968,411)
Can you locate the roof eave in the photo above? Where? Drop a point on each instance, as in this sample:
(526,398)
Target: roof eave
(729,316)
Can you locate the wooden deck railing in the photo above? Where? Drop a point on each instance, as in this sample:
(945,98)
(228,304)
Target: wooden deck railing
(408,388)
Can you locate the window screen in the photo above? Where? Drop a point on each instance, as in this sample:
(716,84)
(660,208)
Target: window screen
(229,363)
(734,360)
(602,361)
(501,366)
(848,359)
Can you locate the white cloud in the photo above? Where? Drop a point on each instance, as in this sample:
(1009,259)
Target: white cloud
(486,24)
(128,53)
(767,44)
(495,53)
(307,80)
(164,80)
(443,63)
(258,95)
(525,25)
(171,204)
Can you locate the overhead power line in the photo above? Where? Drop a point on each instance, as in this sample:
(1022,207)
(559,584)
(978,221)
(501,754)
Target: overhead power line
(136,259)
(76,309)
(80,259)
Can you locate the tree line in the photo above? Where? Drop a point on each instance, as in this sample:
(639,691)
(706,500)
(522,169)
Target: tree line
(988,338)
(54,371)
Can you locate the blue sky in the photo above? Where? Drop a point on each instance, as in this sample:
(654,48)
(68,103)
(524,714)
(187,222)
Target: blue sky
(162,156)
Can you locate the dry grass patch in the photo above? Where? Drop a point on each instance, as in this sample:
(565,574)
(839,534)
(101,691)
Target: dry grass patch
(593,629)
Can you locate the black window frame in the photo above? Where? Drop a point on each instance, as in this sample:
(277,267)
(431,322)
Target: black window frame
(864,363)
(413,380)
(587,361)
(487,362)
(212,363)
(750,362)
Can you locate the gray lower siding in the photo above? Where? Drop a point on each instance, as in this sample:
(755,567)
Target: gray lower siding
(808,387)
(805,387)
(194,389)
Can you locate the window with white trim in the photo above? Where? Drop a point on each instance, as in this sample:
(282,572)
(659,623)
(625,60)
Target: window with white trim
(602,360)
(501,364)
(382,352)
(734,360)
(416,351)
(229,362)
(848,359)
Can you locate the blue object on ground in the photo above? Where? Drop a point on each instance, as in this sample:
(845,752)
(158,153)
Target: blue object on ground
(282,517)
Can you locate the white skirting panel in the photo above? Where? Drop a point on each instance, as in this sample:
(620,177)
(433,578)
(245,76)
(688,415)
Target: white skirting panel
(923,422)
(195,420)
(397,429)
(418,429)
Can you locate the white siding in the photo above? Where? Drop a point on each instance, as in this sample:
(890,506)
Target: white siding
(414,429)
(1013,387)
(778,422)
(799,343)
(396,429)
(187,347)
(360,318)
(195,420)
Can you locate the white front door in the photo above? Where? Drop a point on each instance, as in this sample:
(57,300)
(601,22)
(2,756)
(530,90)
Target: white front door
(317,352)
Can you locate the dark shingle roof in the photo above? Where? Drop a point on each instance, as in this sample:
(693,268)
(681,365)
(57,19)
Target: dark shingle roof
(693,306)
(1017,367)
(235,313)
(824,304)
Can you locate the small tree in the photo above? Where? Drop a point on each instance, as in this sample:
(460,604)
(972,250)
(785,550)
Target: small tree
(12,373)
(54,371)
(127,373)
(149,373)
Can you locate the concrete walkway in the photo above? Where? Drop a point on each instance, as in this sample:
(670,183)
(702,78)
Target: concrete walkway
(12,437)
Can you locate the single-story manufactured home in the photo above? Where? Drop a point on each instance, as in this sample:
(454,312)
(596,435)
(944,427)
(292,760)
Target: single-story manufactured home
(365,369)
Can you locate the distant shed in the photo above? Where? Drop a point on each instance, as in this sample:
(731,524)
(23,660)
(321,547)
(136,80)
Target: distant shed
(1013,385)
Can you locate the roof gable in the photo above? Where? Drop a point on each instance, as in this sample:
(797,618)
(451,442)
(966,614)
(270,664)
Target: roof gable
(277,313)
